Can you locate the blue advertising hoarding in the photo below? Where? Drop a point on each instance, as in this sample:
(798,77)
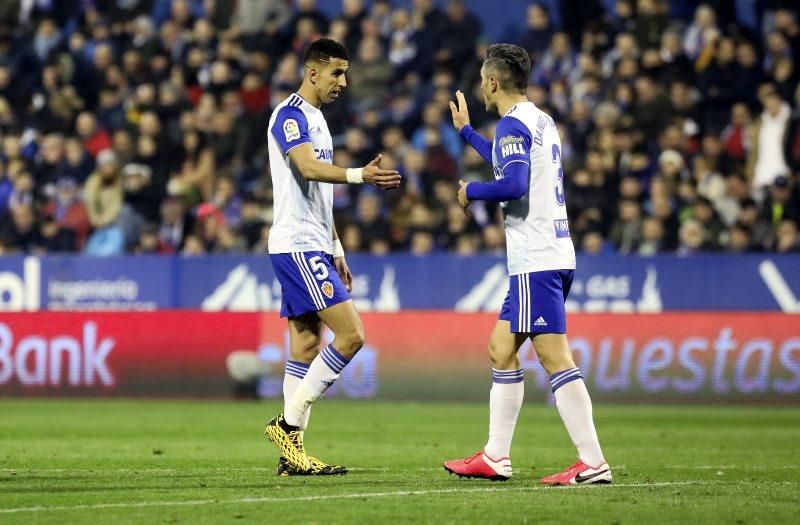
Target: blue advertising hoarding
(399,282)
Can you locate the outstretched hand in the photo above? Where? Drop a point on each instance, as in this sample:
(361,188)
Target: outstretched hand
(383,179)
(459,112)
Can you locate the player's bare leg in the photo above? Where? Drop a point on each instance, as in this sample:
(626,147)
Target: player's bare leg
(323,371)
(305,336)
(348,332)
(347,328)
(575,407)
(505,400)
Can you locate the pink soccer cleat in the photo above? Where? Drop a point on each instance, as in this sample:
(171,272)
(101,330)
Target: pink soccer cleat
(480,466)
(580,474)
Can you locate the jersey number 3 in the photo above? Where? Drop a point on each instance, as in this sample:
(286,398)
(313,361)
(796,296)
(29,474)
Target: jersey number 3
(560,199)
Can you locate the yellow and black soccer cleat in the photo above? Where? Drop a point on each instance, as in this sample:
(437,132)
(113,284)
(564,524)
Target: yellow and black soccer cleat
(318,468)
(289,441)
(283,468)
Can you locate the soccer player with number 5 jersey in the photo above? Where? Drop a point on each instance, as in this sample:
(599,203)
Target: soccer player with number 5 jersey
(529,184)
(306,252)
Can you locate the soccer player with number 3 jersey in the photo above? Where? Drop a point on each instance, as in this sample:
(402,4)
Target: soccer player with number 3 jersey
(306,252)
(529,184)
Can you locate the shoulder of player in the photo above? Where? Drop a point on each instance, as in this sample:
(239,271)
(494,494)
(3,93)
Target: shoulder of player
(283,114)
(510,125)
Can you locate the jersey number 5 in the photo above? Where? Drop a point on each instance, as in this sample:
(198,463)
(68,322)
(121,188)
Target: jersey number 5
(560,199)
(318,268)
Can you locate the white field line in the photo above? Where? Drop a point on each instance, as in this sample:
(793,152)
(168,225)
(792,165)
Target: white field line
(178,470)
(391,494)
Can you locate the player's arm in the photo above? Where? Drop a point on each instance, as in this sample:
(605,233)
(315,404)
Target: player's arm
(305,159)
(339,263)
(513,150)
(460,115)
(290,130)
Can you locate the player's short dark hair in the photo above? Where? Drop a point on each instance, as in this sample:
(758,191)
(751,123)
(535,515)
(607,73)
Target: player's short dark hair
(323,50)
(511,63)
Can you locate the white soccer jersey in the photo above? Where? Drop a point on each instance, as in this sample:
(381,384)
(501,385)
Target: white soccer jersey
(303,219)
(537,230)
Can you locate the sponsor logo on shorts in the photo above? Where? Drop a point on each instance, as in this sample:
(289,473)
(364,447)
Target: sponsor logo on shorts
(327,289)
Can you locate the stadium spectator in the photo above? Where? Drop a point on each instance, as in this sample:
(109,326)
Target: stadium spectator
(373,70)
(538,32)
(767,159)
(787,239)
(20,229)
(95,139)
(692,238)
(652,241)
(782,202)
(68,212)
(402,41)
(702,33)
(460,33)
(627,228)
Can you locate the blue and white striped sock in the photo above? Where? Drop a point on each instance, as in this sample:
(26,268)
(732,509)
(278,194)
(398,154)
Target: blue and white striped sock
(294,373)
(560,379)
(505,400)
(296,369)
(335,361)
(575,407)
(507,376)
(322,373)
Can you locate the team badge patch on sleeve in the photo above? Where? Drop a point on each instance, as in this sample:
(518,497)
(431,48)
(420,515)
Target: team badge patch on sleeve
(327,289)
(291,130)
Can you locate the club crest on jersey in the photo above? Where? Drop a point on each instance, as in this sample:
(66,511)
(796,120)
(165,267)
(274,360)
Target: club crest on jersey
(511,145)
(327,289)
(291,130)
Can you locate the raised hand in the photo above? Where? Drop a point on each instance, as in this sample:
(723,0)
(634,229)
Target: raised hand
(459,112)
(383,179)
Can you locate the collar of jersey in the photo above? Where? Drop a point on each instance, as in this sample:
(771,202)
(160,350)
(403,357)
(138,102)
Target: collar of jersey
(306,102)
(509,109)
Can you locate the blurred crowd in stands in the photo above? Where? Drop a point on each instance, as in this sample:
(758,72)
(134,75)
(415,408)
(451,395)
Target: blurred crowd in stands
(140,125)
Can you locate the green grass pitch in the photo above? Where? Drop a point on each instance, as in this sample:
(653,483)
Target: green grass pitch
(207,462)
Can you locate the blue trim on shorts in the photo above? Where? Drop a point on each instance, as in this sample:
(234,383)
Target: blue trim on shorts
(534,303)
(309,282)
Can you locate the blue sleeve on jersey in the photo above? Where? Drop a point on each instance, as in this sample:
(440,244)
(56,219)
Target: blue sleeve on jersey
(290,128)
(513,151)
(481,144)
(513,141)
(513,185)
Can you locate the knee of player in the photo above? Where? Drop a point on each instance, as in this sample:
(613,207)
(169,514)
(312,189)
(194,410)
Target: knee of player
(499,356)
(352,340)
(358,337)
(306,353)
(545,360)
(554,361)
